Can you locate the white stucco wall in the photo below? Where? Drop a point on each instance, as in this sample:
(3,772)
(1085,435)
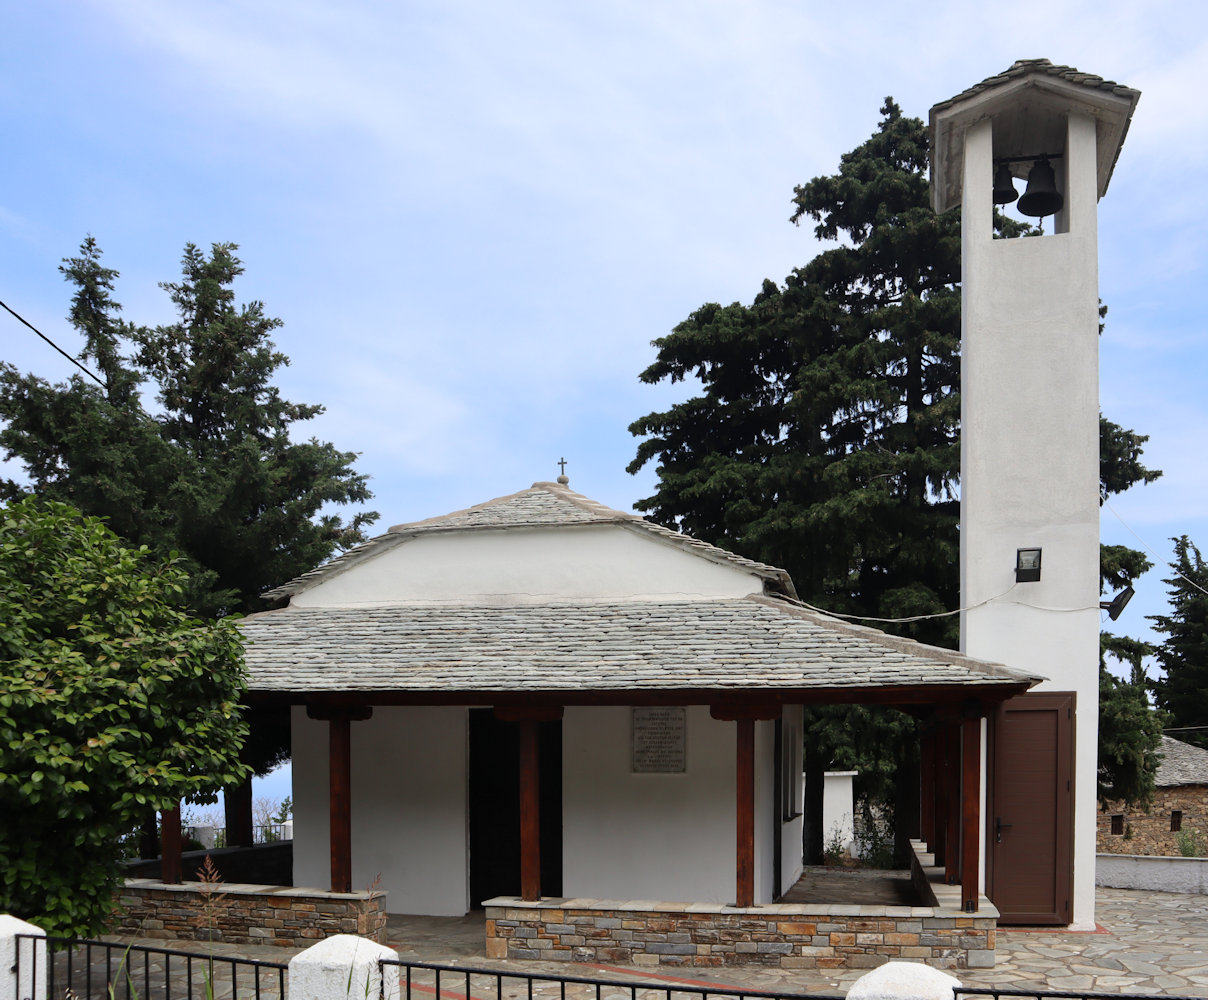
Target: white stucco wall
(839,810)
(565,563)
(408,807)
(1030,452)
(792,830)
(647,836)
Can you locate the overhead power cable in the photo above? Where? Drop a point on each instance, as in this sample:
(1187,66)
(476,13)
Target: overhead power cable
(1149,550)
(22,319)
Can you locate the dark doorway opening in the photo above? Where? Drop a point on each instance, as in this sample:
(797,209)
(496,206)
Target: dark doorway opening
(1031,809)
(495,807)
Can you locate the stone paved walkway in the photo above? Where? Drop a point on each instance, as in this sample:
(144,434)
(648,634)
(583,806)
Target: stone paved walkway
(1147,942)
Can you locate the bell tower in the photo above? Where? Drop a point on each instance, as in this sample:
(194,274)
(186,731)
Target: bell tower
(1030,394)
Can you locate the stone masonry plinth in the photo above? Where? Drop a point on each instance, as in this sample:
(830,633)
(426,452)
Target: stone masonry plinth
(787,935)
(698,934)
(237,913)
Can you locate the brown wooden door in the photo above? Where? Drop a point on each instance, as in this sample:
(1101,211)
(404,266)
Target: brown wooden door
(1030,820)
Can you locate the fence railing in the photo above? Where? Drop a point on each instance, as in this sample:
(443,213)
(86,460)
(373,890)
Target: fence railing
(103,970)
(1015,993)
(428,981)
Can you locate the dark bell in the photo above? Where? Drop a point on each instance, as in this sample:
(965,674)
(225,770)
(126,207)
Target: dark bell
(1042,197)
(1004,186)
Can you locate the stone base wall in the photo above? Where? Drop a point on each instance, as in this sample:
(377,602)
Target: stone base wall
(1148,831)
(246,914)
(782,935)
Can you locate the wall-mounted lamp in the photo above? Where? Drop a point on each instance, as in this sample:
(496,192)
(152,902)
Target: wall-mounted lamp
(1117,604)
(1027,565)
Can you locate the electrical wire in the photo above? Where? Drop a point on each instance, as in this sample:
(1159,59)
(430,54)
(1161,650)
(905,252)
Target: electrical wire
(919,618)
(1148,549)
(22,319)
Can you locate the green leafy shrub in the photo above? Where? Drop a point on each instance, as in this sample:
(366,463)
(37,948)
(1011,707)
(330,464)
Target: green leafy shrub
(113,702)
(1191,844)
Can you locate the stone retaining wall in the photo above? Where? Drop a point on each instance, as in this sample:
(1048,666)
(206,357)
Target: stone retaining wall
(238,913)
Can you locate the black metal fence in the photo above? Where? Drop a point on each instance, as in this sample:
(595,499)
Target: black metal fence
(426,981)
(103,970)
(1006,993)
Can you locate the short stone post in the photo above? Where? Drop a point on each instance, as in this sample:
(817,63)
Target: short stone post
(904,981)
(343,967)
(22,963)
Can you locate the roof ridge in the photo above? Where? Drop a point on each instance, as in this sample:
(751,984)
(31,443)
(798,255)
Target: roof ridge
(1022,67)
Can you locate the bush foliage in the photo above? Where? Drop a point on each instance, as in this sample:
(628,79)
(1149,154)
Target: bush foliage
(113,702)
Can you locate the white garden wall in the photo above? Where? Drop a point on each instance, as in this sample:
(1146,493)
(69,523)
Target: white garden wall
(1157,874)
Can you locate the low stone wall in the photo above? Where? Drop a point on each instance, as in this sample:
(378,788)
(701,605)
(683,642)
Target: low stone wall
(1158,874)
(238,913)
(788,936)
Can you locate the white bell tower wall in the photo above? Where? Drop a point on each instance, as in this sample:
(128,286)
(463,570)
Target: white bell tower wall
(1030,448)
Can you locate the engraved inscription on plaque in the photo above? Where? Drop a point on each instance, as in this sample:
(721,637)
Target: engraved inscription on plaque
(659,741)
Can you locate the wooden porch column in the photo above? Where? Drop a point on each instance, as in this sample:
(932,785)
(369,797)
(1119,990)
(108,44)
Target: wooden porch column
(927,788)
(530,792)
(970,810)
(744,717)
(339,786)
(744,785)
(169,845)
(952,779)
(339,783)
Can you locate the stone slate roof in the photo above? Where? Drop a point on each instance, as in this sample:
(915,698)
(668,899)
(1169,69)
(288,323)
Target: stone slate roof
(1182,764)
(753,643)
(1025,67)
(541,505)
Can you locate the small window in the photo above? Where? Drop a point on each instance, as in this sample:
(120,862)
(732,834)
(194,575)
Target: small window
(1118,824)
(1176,820)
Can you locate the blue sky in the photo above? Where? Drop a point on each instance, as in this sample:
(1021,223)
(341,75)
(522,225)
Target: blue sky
(474,217)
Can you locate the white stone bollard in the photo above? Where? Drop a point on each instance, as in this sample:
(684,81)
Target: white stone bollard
(904,981)
(343,967)
(24,969)
(287,830)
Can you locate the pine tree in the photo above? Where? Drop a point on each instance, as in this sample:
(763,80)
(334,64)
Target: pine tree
(826,437)
(1183,653)
(214,475)
(1130,731)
